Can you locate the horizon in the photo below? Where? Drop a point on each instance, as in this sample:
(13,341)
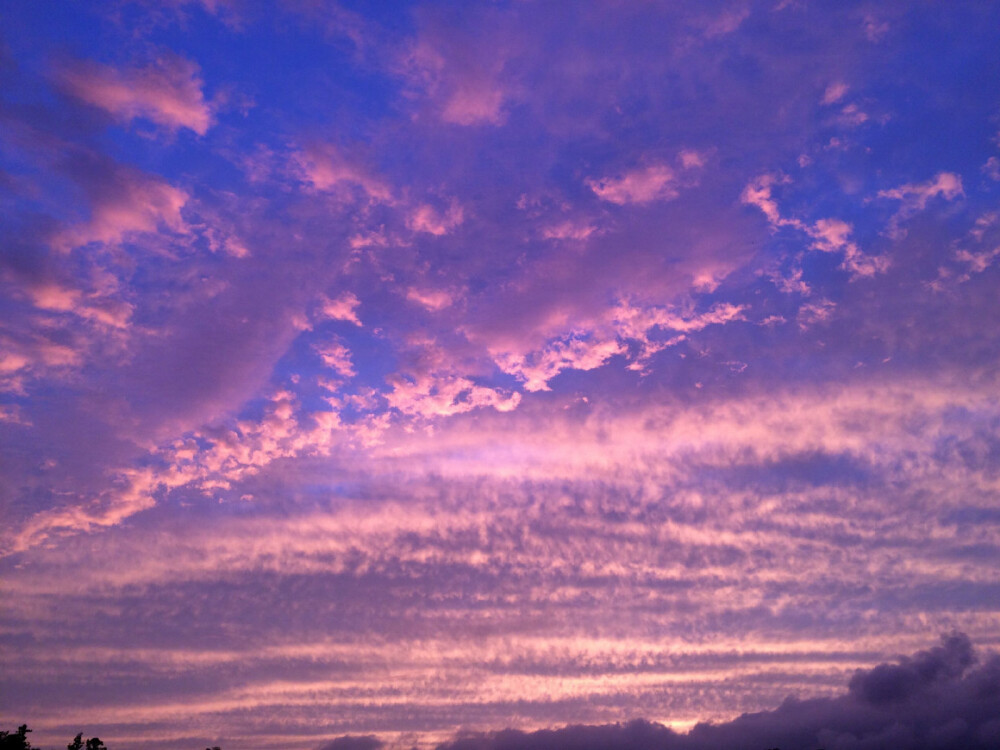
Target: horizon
(427,369)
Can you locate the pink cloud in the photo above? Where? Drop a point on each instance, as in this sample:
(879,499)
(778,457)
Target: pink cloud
(592,344)
(828,235)
(205,461)
(992,168)
(759,193)
(54,297)
(764,427)
(463,83)
(432,299)
(474,102)
(835,92)
(337,356)
(222,241)
(656,182)
(790,281)
(983,224)
(215,459)
(443,395)
(368,239)
(564,295)
(29,356)
(13,414)
(727,22)
(851,116)
(833,235)
(984,232)
(875,28)
(858,264)
(635,322)
(132,202)
(978,262)
(914,197)
(569,230)
(134,497)
(537,368)
(328,169)
(343,307)
(815,312)
(691,159)
(168,92)
(62,323)
(425,218)
(638,323)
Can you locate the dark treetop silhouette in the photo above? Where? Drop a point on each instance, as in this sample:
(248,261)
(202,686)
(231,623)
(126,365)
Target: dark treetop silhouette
(19,741)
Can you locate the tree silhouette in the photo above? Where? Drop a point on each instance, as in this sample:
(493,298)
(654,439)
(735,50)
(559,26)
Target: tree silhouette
(94,743)
(17,740)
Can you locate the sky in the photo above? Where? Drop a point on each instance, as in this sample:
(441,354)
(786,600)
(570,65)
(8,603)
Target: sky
(394,374)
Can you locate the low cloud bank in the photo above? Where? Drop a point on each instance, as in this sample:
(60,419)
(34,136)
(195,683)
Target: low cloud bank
(934,700)
(944,698)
